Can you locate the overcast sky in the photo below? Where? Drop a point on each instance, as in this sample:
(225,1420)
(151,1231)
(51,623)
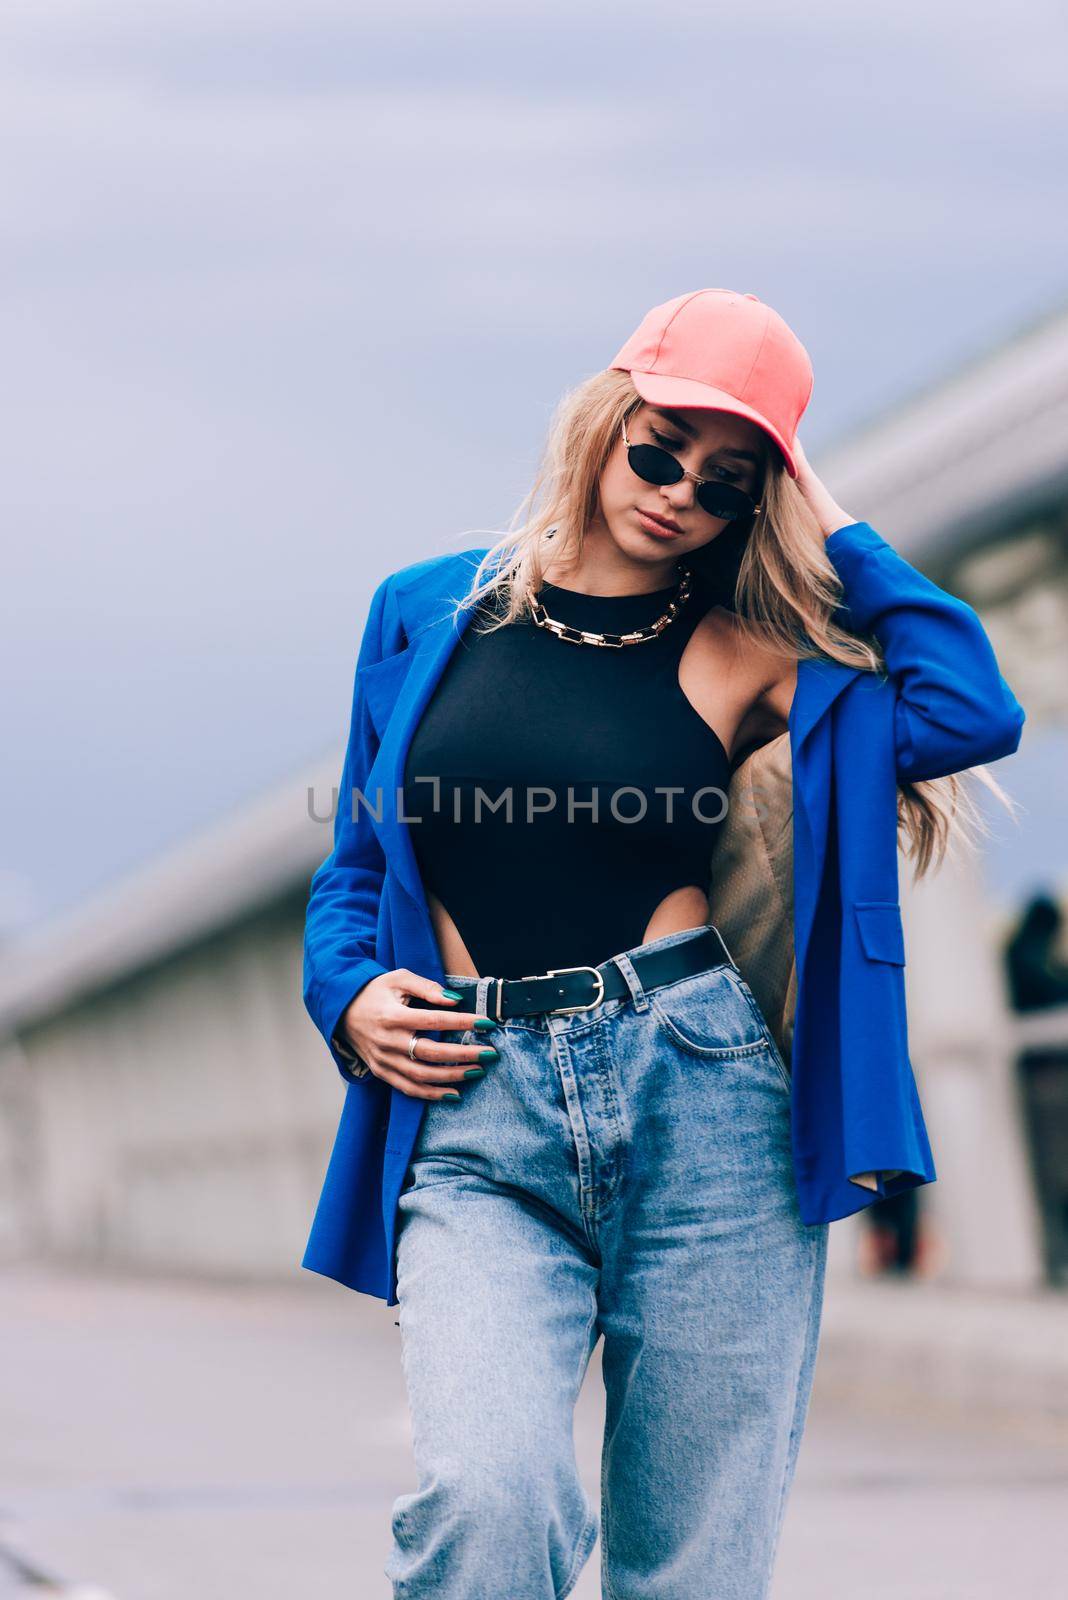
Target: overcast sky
(291,290)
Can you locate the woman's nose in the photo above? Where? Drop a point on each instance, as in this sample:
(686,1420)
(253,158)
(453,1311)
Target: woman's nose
(679,495)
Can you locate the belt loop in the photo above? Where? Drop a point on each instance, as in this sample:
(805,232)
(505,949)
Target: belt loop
(633,982)
(482,997)
(723,943)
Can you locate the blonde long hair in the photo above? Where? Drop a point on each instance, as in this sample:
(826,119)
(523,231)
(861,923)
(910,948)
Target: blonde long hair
(785,588)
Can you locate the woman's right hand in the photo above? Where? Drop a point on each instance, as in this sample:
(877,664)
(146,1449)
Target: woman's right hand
(379,1025)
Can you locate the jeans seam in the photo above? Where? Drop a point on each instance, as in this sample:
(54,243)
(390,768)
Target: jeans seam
(776,1056)
(606,1587)
(811,1334)
(435,1183)
(780,1066)
(584,1543)
(586,1540)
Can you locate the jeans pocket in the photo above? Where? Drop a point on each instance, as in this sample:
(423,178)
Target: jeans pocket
(714,1015)
(709,1016)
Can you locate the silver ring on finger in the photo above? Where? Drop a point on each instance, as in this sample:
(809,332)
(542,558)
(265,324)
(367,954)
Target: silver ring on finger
(411,1047)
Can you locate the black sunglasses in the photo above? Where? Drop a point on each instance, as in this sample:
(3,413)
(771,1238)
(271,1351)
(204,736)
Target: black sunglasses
(654,465)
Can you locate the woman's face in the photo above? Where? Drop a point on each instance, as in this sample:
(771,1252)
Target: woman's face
(714,444)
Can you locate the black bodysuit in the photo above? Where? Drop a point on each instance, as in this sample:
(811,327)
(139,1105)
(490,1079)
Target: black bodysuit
(521,717)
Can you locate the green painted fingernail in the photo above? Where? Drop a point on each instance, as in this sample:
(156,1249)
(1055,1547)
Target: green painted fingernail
(484,1023)
(475,1072)
(451,1095)
(450,994)
(487,1053)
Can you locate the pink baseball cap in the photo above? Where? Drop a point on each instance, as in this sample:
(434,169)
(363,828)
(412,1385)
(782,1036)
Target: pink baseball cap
(723,351)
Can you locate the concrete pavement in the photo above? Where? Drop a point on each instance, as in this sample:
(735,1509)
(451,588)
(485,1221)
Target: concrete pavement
(166,1438)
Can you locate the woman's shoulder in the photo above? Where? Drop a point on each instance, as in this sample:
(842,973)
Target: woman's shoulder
(729,652)
(721,628)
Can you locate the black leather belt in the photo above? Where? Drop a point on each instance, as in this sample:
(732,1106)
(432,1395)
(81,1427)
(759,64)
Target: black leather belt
(564,990)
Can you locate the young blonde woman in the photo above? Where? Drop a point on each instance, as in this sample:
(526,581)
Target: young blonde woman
(567,1116)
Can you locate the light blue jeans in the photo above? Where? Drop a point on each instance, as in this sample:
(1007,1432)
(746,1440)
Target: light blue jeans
(623,1172)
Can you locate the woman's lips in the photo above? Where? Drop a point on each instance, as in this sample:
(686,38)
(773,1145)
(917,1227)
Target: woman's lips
(654,525)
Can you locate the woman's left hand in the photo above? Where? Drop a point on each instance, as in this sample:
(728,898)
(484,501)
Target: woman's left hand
(825,507)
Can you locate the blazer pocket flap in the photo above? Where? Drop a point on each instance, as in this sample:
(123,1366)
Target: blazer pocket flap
(381,683)
(881,933)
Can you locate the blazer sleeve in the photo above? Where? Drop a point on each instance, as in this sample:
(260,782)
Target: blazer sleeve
(342,913)
(954,709)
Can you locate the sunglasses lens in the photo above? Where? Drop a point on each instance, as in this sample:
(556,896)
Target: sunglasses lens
(653,465)
(723,501)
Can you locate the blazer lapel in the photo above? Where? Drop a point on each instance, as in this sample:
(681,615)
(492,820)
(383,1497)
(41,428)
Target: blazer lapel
(819,683)
(397,691)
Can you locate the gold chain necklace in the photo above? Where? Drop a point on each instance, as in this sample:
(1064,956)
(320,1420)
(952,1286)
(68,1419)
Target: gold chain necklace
(614,641)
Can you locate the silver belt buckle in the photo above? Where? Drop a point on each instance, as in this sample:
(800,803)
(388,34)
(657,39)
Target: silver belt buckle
(565,1011)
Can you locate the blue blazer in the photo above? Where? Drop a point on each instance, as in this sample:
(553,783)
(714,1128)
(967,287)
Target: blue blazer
(942,706)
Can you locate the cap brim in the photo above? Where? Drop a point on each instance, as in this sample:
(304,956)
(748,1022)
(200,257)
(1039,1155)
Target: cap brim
(662,390)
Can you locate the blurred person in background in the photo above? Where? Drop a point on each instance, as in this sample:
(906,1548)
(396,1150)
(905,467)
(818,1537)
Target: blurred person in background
(899,1237)
(1037,972)
(636,1155)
